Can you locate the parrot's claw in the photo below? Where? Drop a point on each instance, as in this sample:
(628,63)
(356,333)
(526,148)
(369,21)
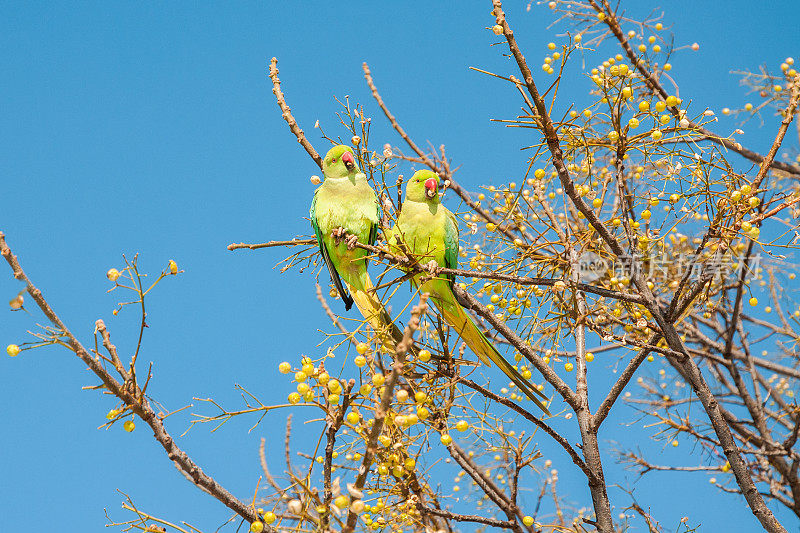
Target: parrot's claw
(351,241)
(337,234)
(432,266)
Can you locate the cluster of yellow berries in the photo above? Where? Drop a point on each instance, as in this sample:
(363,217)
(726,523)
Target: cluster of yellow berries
(547,65)
(305,377)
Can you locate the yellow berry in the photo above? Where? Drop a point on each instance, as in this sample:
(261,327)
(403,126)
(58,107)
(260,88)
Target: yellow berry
(360,361)
(285,368)
(446,439)
(424,356)
(113,274)
(12,350)
(539,173)
(497,29)
(753,301)
(352,417)
(462,425)
(269,517)
(589,357)
(129,426)
(378,380)
(527,520)
(111,414)
(423,413)
(633,123)
(341,502)
(173,267)
(401,395)
(656,135)
(300,376)
(362,348)
(568,367)
(294,398)
(256,526)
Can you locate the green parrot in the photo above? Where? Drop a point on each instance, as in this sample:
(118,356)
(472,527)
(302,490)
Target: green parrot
(428,231)
(345,202)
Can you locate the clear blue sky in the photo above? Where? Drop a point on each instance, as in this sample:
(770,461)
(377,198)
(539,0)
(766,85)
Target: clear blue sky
(151,128)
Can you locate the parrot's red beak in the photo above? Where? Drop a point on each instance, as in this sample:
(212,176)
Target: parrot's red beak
(348,160)
(431,187)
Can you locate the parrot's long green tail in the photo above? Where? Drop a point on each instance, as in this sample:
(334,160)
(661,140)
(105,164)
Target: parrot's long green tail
(374,312)
(457,317)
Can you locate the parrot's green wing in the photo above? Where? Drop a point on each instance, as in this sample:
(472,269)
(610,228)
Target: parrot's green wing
(373,231)
(451,244)
(346,298)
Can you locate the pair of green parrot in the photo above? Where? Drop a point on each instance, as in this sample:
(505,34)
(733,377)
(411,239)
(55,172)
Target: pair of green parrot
(425,229)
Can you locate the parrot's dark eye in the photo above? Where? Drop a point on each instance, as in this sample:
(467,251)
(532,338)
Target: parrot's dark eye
(333,160)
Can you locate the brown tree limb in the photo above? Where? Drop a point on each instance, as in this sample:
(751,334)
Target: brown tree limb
(139,406)
(686,365)
(653,83)
(414,266)
(504,524)
(403,347)
(564,443)
(286,112)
